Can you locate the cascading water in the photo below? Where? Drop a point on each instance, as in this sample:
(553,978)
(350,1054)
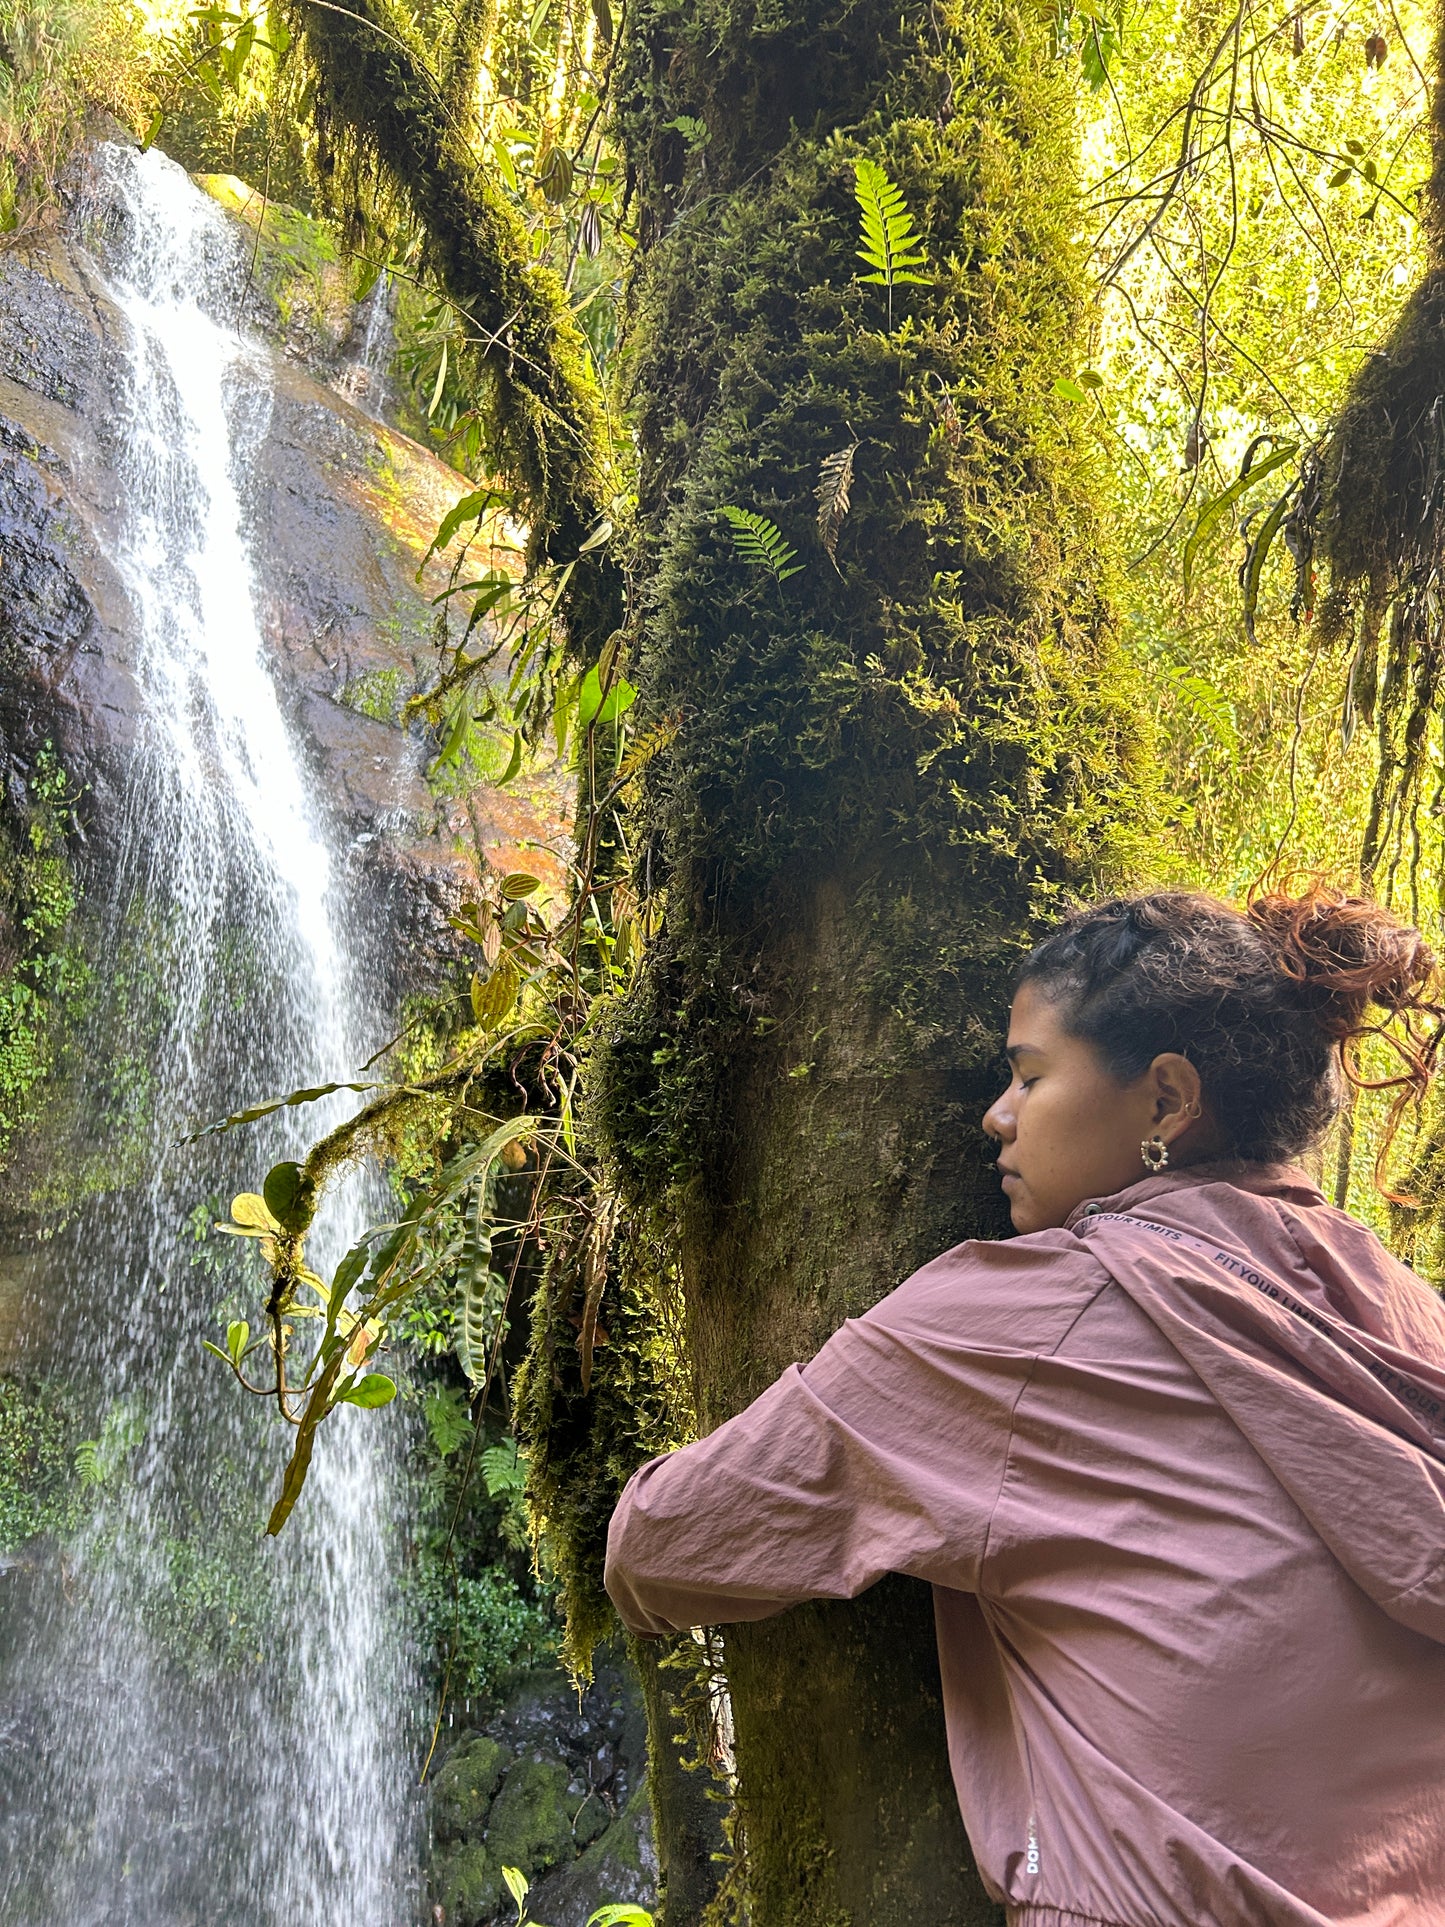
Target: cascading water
(201,1725)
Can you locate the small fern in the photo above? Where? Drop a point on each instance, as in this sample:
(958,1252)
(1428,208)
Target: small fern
(835,480)
(760,542)
(892,246)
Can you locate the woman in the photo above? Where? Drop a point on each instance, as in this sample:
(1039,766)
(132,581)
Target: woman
(1173,1459)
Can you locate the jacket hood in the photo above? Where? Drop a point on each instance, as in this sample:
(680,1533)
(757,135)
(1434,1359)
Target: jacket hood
(1325,1351)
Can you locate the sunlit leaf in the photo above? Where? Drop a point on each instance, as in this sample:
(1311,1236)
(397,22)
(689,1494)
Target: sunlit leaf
(1220,506)
(517,1885)
(373,1390)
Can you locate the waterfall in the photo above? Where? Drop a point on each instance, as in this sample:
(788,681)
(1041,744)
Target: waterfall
(203,1725)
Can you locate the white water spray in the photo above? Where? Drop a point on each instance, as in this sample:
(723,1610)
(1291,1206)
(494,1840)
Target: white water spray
(216,1723)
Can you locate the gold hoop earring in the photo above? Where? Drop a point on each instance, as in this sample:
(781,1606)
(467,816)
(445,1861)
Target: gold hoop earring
(1155,1153)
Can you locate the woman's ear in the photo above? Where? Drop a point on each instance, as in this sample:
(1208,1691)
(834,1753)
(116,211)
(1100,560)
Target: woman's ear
(1178,1095)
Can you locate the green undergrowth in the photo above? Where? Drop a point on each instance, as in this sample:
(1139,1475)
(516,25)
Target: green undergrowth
(40,1491)
(484,1605)
(45,980)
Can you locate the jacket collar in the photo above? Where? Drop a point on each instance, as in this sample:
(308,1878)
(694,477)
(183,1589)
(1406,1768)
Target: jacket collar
(1285,1181)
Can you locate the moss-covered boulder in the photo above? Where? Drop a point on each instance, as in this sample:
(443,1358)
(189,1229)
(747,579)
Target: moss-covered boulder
(621,1865)
(468,1886)
(593,1820)
(463,1790)
(531,1818)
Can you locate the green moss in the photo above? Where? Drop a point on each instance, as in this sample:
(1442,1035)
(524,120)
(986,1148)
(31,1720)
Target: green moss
(468,1884)
(39,1489)
(297,264)
(462,1792)
(585,1445)
(44,978)
(942,720)
(530,1826)
(378,694)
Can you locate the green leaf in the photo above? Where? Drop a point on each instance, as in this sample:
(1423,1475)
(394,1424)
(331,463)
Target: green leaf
(216,1350)
(255,1111)
(1090,378)
(761,543)
(593,708)
(471,508)
(153,128)
(1340,176)
(448,1418)
(1213,511)
(238,1337)
(519,883)
(599,536)
(621,1914)
(1067,389)
(517,1885)
(1210,704)
(1254,567)
(514,761)
(281,1191)
(373,1390)
(494,996)
(451,751)
(349,1270)
(504,1470)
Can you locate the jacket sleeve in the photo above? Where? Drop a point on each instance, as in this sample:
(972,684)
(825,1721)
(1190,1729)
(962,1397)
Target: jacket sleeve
(886,1453)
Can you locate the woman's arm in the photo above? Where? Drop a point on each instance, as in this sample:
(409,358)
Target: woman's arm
(886,1453)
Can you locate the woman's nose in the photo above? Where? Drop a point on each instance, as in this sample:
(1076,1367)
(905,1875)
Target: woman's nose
(998,1119)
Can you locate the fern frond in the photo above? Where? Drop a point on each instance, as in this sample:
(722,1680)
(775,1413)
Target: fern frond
(835,479)
(891,246)
(761,543)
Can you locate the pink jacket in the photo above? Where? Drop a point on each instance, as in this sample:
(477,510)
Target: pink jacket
(1177,1477)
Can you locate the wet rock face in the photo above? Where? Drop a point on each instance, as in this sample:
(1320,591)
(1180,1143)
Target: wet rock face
(340,509)
(556,1789)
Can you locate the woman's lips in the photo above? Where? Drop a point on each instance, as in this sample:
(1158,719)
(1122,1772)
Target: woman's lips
(1006,1178)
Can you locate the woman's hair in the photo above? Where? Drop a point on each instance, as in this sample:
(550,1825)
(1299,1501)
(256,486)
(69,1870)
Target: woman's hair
(1267,1003)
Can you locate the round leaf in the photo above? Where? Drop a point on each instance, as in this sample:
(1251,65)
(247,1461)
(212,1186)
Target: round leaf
(251,1212)
(282,1190)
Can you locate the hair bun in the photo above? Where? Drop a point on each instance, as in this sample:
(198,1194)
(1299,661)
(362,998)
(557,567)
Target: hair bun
(1346,953)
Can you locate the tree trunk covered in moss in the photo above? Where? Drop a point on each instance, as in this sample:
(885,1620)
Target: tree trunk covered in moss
(1371,507)
(383,111)
(886,772)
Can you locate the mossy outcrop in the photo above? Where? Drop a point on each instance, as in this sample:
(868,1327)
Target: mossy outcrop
(462,1792)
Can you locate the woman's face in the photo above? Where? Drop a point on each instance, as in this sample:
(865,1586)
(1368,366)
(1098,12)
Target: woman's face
(1070,1129)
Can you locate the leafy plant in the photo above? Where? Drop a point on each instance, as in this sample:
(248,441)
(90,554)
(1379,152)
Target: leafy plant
(97,1461)
(1219,507)
(617,1914)
(761,543)
(891,246)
